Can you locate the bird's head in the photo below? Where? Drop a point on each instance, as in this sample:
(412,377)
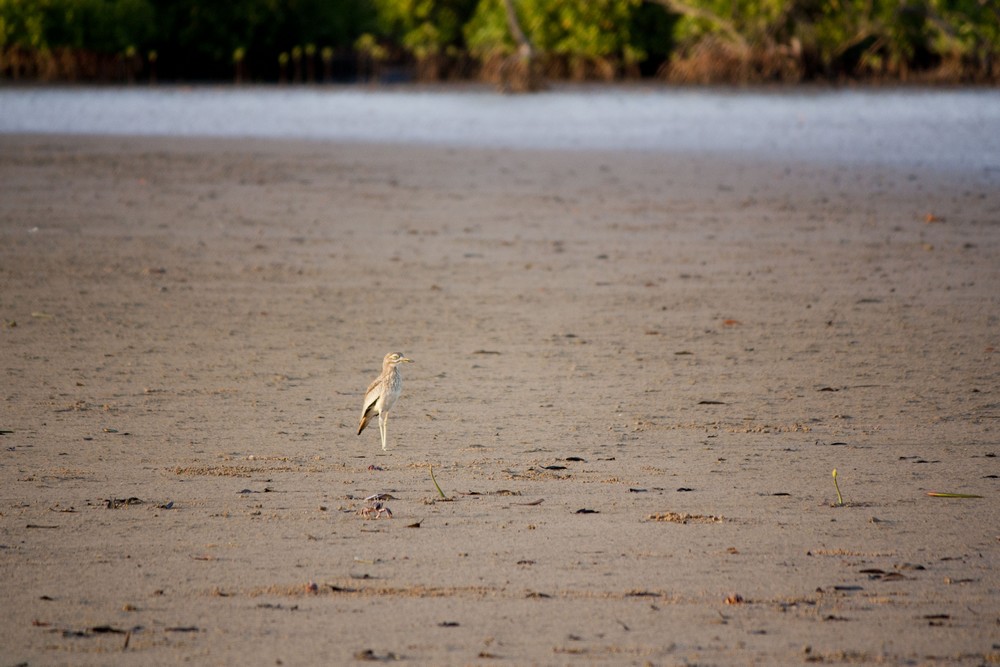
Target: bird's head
(394,358)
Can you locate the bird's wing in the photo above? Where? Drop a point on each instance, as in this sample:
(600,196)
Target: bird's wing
(371,398)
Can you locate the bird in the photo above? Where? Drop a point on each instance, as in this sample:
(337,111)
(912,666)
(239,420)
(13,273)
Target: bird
(381,394)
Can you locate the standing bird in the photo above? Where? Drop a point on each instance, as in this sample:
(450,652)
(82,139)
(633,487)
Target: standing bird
(382,393)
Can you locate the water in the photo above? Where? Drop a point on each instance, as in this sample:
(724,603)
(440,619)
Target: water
(957,130)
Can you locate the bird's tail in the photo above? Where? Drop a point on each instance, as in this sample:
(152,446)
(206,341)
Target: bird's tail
(364,422)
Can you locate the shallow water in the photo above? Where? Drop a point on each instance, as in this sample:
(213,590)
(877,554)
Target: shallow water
(946,129)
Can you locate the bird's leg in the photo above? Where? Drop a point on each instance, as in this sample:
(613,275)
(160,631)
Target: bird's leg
(382,419)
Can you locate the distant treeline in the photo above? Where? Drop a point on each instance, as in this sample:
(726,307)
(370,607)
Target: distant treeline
(687,41)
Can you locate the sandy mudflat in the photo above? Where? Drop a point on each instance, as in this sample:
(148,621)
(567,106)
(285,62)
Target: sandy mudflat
(189,325)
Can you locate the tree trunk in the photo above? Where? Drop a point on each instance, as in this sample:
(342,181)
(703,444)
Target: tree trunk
(519,74)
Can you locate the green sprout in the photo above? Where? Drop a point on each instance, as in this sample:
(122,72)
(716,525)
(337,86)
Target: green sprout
(436,486)
(840,498)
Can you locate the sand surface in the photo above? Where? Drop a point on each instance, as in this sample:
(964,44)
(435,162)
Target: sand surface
(685,347)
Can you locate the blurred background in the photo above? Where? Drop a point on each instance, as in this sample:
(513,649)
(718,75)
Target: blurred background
(513,43)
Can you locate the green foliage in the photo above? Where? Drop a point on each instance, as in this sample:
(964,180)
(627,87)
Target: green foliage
(747,21)
(22,25)
(103,26)
(595,29)
(856,34)
(423,27)
(953,39)
(487,32)
(967,30)
(838,38)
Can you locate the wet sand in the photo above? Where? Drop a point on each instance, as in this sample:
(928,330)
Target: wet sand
(634,375)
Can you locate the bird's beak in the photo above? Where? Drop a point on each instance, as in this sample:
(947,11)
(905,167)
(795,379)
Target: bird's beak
(409,361)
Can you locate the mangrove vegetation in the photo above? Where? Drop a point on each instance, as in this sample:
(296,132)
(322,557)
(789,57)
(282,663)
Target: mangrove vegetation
(514,43)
